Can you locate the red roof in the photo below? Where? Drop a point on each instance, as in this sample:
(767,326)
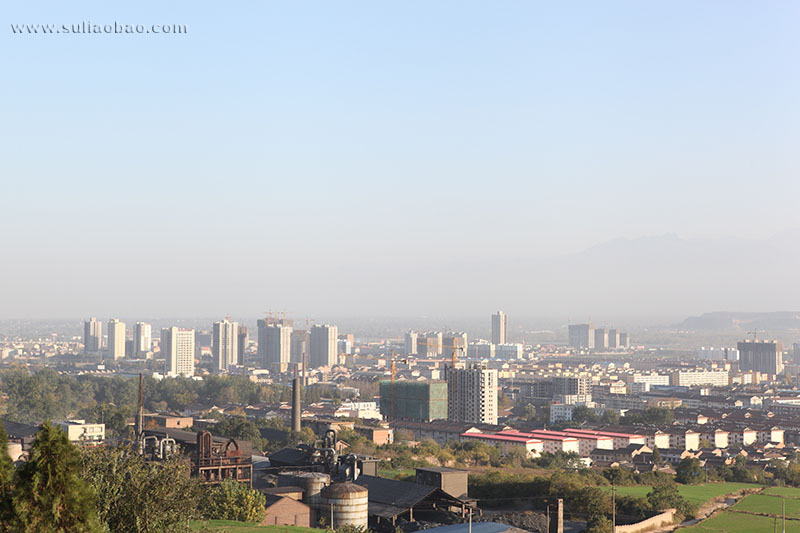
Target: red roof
(542,435)
(603,433)
(507,438)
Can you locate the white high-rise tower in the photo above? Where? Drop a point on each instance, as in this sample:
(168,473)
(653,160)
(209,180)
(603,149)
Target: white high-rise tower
(116,339)
(177,345)
(225,344)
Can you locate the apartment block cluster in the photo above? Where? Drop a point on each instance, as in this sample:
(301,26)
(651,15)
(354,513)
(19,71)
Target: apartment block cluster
(279,345)
(587,336)
(431,344)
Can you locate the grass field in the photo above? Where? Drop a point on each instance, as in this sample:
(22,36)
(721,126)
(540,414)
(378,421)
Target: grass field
(731,521)
(697,494)
(787,492)
(229,526)
(762,503)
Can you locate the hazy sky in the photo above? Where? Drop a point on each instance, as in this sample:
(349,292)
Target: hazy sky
(343,157)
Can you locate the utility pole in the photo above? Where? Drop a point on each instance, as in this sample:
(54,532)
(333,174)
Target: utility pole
(470,520)
(783,513)
(613,508)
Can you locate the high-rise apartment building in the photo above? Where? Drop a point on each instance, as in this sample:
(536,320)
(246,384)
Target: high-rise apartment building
(761,356)
(324,344)
(142,338)
(601,338)
(411,343)
(177,345)
(277,344)
(624,340)
(300,346)
(613,338)
(499,328)
(116,339)
(92,336)
(225,344)
(454,340)
(472,394)
(429,344)
(581,335)
(244,341)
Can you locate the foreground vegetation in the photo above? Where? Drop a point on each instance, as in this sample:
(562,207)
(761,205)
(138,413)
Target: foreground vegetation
(63,488)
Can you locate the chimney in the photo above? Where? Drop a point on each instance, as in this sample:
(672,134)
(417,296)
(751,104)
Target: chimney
(140,416)
(296,405)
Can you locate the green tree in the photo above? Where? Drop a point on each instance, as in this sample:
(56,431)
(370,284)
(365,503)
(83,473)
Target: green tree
(6,484)
(231,500)
(689,471)
(666,496)
(134,496)
(50,495)
(657,460)
(582,414)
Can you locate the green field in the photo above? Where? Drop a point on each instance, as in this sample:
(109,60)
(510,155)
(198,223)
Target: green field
(730,522)
(243,527)
(762,503)
(787,492)
(757,503)
(697,494)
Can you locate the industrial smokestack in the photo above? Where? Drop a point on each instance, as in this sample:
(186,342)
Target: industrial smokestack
(296,404)
(140,416)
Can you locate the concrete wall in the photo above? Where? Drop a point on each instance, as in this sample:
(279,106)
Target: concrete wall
(664,519)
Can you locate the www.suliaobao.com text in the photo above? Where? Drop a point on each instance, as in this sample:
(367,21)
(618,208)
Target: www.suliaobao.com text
(90,28)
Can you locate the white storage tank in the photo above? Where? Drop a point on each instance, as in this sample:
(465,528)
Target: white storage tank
(345,504)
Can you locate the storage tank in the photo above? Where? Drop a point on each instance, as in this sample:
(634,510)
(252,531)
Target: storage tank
(345,504)
(312,484)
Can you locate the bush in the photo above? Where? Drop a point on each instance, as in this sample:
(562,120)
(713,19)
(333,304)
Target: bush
(231,500)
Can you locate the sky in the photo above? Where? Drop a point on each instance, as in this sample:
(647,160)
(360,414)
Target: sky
(347,158)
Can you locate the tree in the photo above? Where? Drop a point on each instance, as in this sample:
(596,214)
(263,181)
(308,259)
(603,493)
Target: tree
(657,460)
(610,416)
(581,414)
(231,500)
(689,471)
(134,496)
(529,412)
(49,494)
(6,484)
(705,444)
(666,496)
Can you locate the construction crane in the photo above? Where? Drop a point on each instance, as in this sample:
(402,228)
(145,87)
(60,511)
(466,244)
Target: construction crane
(754,333)
(455,348)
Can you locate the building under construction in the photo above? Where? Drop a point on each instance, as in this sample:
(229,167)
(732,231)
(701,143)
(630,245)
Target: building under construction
(420,401)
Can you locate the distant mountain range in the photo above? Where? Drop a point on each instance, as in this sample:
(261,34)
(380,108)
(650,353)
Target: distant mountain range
(756,322)
(660,276)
